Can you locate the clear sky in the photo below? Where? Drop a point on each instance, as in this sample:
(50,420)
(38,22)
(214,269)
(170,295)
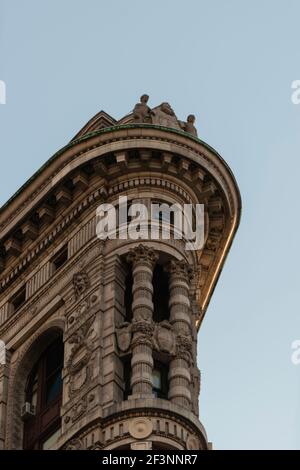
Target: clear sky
(231,63)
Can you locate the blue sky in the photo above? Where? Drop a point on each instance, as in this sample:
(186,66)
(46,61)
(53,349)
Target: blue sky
(231,63)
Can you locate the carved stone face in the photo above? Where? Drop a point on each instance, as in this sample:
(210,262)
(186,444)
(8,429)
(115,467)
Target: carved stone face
(81,282)
(191,118)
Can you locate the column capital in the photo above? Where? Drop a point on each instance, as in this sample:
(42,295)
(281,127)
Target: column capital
(180,269)
(142,255)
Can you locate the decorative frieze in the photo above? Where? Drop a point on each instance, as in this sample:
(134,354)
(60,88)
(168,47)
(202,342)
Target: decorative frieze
(83,236)
(5,312)
(38,280)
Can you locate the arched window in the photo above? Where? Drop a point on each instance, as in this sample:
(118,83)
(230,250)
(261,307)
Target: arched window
(43,395)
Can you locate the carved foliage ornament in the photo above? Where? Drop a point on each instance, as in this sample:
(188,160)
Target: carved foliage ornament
(180,269)
(184,348)
(142,255)
(143,331)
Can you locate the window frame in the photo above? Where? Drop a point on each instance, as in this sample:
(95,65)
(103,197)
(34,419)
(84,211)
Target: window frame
(46,420)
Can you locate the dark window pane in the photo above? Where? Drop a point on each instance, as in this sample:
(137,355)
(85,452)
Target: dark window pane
(54,358)
(127,376)
(53,387)
(19,299)
(160,380)
(128,296)
(60,259)
(161,294)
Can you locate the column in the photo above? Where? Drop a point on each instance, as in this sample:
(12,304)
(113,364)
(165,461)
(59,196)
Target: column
(143,260)
(180,318)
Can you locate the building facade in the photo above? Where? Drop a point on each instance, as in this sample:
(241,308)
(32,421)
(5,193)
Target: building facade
(99,336)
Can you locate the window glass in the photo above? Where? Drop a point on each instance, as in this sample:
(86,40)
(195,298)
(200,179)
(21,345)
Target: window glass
(53,387)
(157,379)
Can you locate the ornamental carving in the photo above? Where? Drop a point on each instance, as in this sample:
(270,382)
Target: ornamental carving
(124,334)
(80,312)
(78,363)
(142,255)
(180,269)
(184,348)
(163,115)
(81,283)
(164,339)
(143,314)
(74,444)
(192,442)
(83,310)
(140,428)
(143,332)
(79,409)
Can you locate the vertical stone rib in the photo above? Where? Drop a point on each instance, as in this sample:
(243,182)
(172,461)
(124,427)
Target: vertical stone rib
(180,318)
(143,260)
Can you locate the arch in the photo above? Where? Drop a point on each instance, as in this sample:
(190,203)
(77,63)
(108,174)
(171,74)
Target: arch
(32,350)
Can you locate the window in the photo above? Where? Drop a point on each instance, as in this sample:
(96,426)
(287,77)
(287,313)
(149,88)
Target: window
(160,384)
(160,380)
(128,298)
(127,376)
(19,298)
(161,294)
(60,258)
(43,393)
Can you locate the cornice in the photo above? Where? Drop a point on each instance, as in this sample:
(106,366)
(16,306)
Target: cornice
(77,147)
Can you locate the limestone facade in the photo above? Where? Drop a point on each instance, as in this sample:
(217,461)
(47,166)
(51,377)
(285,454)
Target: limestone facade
(58,280)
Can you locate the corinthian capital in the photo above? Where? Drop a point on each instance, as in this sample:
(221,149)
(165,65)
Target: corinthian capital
(142,255)
(180,269)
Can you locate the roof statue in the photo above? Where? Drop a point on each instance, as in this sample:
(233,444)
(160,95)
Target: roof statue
(142,112)
(162,115)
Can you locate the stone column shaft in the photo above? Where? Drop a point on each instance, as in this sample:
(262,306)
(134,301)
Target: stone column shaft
(180,318)
(143,260)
